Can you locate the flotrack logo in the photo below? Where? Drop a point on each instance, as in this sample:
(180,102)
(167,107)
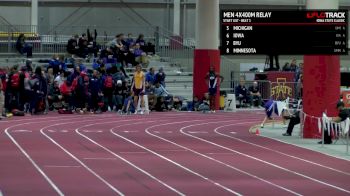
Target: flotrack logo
(318,15)
(323,15)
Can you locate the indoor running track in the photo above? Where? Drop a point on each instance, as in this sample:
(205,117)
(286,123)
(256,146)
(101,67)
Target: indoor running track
(158,154)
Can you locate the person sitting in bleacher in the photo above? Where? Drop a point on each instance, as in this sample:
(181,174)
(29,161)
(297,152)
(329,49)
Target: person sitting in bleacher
(22,47)
(140,56)
(83,50)
(72,45)
(255,95)
(150,76)
(160,77)
(108,56)
(129,41)
(241,93)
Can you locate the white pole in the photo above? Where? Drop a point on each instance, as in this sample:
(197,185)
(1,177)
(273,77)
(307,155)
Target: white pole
(34,15)
(177,17)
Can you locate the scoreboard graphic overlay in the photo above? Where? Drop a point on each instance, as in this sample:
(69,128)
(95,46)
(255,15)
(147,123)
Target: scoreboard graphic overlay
(307,32)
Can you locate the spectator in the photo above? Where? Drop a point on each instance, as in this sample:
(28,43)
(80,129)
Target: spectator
(140,55)
(204,106)
(152,98)
(160,91)
(193,105)
(13,89)
(108,91)
(255,94)
(150,76)
(39,87)
(108,56)
(242,93)
(54,97)
(60,79)
(129,41)
(82,93)
(286,67)
(160,105)
(129,106)
(72,46)
(293,65)
(22,47)
(120,94)
(82,67)
(141,41)
(96,91)
(160,77)
(300,87)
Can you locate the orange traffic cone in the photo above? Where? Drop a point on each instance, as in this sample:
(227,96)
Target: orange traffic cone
(257,132)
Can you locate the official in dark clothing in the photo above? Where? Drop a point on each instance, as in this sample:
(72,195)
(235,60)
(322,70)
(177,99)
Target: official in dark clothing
(294,120)
(242,93)
(342,115)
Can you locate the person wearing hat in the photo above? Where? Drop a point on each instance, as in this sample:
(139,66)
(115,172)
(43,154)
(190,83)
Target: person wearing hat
(342,116)
(120,94)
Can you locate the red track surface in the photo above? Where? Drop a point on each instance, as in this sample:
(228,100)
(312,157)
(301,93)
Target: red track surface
(158,154)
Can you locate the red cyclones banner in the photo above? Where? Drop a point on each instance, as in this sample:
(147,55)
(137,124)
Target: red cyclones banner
(282,84)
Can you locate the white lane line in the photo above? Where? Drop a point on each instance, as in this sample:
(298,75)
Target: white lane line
(125,160)
(175,163)
(62,166)
(232,132)
(78,160)
(53,185)
(51,131)
(265,162)
(215,160)
(21,131)
(1,193)
(64,131)
(47,119)
(278,152)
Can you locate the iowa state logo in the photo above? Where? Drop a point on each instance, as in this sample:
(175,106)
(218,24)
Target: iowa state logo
(280,89)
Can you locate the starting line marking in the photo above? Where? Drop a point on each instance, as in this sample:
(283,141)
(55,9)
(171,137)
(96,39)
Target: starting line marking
(162,132)
(198,132)
(21,131)
(132,152)
(233,132)
(220,153)
(130,131)
(100,158)
(62,166)
(92,131)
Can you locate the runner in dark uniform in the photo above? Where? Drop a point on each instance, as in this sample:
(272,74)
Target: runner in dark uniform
(213,79)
